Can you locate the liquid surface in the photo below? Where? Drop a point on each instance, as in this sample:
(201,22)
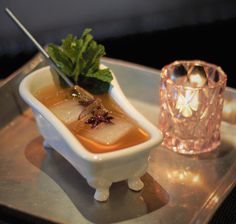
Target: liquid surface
(88,136)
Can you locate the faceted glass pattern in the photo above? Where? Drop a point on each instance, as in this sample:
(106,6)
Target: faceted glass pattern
(191,97)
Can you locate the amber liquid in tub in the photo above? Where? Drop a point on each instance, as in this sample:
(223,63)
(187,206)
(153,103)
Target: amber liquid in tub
(51,96)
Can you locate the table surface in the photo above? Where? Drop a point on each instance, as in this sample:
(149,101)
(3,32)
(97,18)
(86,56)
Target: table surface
(187,189)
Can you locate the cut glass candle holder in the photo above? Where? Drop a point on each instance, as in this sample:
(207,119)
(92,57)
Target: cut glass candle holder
(192,100)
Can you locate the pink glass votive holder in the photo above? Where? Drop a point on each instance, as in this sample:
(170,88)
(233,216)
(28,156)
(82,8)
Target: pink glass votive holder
(192,97)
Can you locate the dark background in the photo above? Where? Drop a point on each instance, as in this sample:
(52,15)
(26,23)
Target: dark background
(152,33)
(214,42)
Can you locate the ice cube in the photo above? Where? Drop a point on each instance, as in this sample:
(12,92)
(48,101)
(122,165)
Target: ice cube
(67,110)
(109,133)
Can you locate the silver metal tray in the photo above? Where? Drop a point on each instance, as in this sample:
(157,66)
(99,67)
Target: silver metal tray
(178,189)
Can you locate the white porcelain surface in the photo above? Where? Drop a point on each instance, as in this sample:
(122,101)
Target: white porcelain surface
(100,170)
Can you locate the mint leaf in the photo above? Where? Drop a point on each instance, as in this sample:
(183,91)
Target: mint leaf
(61,60)
(86,31)
(102,75)
(80,62)
(94,85)
(70,47)
(92,56)
(79,59)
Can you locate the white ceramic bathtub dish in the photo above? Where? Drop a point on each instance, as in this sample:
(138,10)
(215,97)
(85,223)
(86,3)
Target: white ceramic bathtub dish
(102,169)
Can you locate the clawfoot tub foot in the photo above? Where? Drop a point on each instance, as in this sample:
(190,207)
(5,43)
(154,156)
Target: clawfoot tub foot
(135,184)
(102,189)
(102,194)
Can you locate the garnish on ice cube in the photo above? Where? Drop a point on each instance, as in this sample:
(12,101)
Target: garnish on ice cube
(93,109)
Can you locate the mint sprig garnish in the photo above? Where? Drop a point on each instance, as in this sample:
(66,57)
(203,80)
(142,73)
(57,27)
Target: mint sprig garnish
(79,59)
